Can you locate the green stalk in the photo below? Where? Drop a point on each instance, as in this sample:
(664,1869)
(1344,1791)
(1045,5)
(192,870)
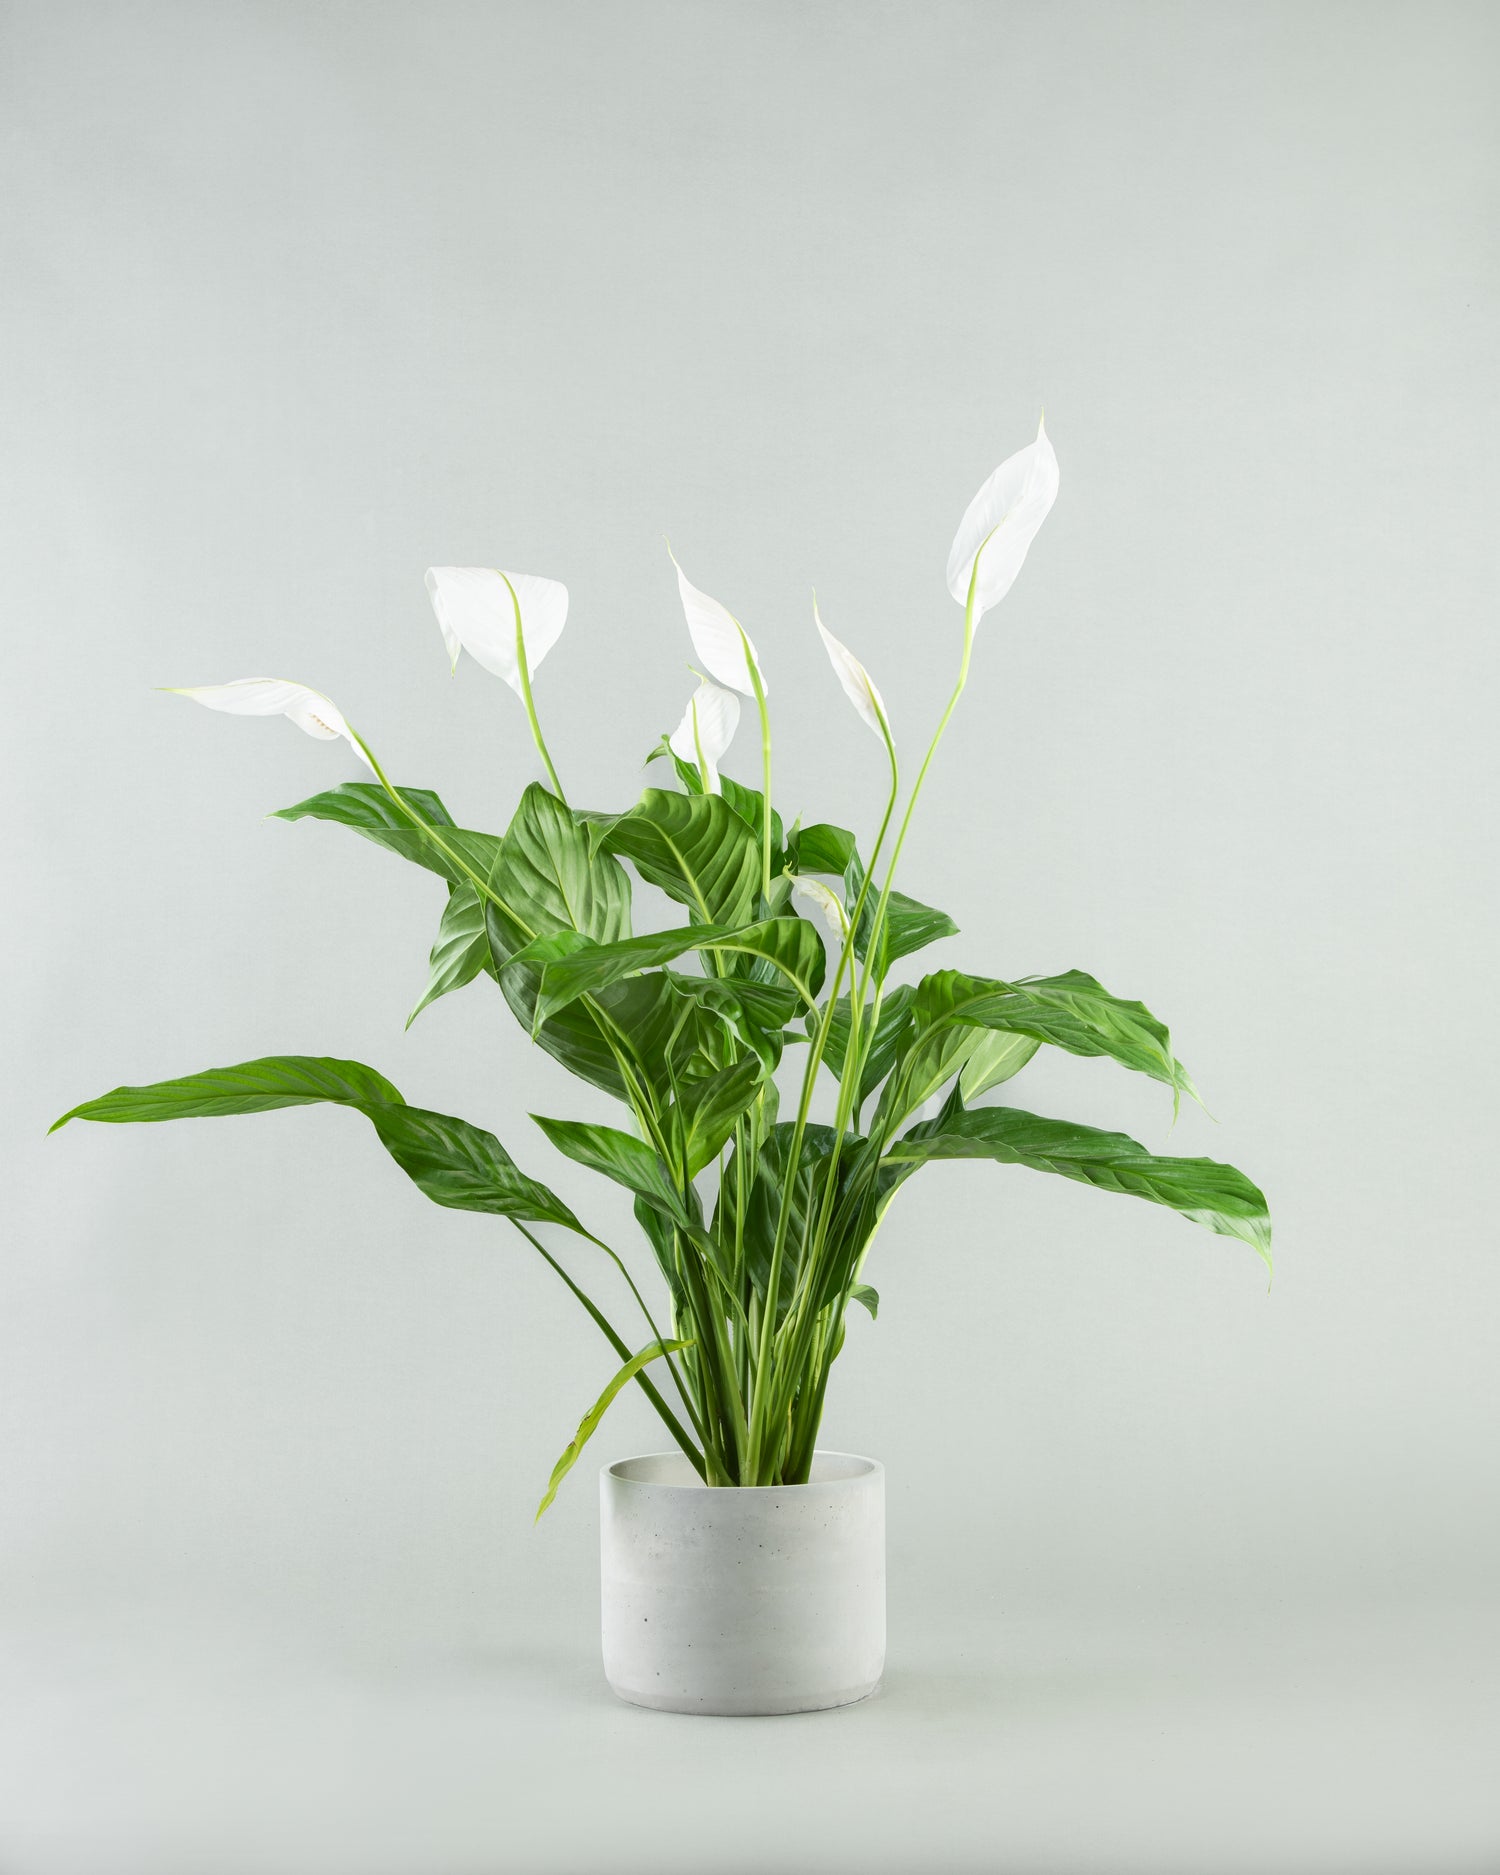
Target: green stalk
(765,761)
(526,698)
(669,1418)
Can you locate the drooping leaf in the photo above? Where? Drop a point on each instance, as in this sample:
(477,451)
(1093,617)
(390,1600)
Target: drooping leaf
(460,951)
(369,811)
(247,1087)
(1216,1196)
(620,1156)
(696,849)
(1072,1011)
(452,1162)
(590,1421)
(866,1297)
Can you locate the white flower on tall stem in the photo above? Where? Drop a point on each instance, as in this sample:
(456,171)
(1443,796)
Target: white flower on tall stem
(310,710)
(1000,524)
(858,685)
(728,656)
(507,622)
(706,731)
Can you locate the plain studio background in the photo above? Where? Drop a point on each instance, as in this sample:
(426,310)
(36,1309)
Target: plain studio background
(301,299)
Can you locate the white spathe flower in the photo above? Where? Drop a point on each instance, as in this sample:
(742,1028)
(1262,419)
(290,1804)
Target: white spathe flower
(1001,523)
(476,610)
(824,902)
(311,711)
(858,685)
(706,730)
(719,639)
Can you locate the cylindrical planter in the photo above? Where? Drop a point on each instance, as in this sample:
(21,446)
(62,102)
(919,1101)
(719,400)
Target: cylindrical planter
(742,1601)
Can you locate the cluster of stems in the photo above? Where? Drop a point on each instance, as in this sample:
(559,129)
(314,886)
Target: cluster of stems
(751,1372)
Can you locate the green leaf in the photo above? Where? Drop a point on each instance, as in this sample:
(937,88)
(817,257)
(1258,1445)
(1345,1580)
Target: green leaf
(1072,1011)
(867,1297)
(452,1162)
(547,875)
(461,950)
(627,1160)
(790,945)
(464,1167)
(996,1057)
(909,924)
(1205,1192)
(590,1421)
(696,849)
(770,1191)
(880,1055)
(706,1110)
(248,1087)
(822,848)
(367,808)
(746,802)
(369,811)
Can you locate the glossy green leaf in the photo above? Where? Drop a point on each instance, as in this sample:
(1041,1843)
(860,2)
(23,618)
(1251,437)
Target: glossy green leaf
(368,810)
(460,951)
(590,1421)
(546,873)
(891,1034)
(452,1162)
(995,1059)
(696,849)
(1072,1011)
(1216,1196)
(627,1160)
(791,946)
(705,1112)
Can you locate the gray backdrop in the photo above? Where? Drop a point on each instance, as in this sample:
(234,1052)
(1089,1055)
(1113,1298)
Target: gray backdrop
(301,299)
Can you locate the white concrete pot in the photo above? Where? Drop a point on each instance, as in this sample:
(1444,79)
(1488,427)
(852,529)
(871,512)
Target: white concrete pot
(759,1600)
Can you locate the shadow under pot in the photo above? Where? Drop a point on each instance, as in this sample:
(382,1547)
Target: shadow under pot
(742,1601)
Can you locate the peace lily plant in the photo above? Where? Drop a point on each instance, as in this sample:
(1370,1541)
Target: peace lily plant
(759,1224)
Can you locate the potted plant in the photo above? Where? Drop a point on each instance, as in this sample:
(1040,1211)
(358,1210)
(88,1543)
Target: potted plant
(743,1571)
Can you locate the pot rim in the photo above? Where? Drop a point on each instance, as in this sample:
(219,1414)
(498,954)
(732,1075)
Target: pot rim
(868,1468)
